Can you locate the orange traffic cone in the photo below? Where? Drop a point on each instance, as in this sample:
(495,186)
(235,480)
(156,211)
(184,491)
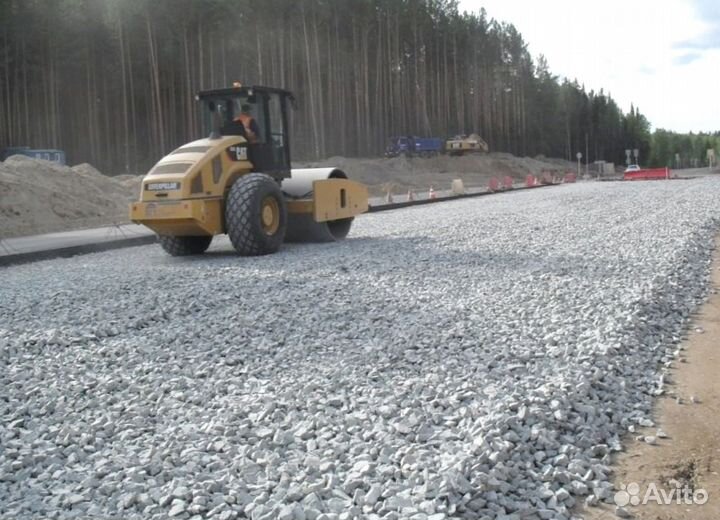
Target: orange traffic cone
(411,196)
(431,193)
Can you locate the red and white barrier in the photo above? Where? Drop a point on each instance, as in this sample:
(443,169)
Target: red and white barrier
(493,184)
(507,183)
(648,174)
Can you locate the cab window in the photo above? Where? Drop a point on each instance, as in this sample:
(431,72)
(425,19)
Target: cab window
(223,113)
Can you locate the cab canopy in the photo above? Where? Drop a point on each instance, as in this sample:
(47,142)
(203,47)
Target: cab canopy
(269,143)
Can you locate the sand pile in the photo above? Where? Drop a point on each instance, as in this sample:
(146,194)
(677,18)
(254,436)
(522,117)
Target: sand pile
(39,196)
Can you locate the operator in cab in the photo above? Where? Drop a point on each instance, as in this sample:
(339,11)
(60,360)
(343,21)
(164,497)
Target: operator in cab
(248,122)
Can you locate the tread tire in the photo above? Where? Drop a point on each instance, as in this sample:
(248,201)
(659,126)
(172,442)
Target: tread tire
(184,246)
(243,209)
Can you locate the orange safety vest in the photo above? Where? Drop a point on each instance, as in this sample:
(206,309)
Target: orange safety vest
(246,121)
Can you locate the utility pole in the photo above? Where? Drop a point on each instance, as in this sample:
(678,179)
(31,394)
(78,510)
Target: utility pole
(579,156)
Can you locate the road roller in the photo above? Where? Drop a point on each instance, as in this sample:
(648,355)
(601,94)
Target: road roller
(238,181)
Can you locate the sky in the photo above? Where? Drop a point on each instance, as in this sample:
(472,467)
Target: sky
(663,55)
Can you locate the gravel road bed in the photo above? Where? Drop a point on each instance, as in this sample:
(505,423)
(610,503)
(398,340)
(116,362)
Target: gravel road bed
(473,359)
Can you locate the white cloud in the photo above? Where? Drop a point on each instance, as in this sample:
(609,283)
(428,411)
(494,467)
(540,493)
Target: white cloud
(641,51)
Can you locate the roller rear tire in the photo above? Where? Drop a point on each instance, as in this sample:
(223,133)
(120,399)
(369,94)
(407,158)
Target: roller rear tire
(184,246)
(256,215)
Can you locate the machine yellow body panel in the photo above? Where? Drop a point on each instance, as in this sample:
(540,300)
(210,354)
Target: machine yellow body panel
(183,193)
(200,169)
(192,217)
(332,199)
(335,199)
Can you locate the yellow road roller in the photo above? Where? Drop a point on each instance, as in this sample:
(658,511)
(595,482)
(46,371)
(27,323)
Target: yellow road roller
(238,181)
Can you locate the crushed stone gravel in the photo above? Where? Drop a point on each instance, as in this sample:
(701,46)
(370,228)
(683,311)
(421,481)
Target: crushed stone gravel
(475,359)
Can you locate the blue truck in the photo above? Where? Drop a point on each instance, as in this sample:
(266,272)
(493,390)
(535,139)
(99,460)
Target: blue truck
(57,156)
(410,146)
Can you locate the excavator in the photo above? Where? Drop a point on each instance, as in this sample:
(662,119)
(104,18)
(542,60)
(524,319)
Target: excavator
(464,144)
(239,182)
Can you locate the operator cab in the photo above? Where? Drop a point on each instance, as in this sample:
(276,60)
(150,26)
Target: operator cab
(269,148)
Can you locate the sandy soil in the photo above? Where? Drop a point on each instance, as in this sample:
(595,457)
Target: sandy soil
(41,197)
(691,453)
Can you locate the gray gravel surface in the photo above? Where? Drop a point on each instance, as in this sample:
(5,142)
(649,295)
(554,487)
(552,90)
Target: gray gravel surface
(473,359)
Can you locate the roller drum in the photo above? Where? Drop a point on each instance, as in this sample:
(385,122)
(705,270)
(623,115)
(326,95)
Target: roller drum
(303,227)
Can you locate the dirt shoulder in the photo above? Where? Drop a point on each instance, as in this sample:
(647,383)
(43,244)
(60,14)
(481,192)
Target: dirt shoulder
(690,416)
(400,174)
